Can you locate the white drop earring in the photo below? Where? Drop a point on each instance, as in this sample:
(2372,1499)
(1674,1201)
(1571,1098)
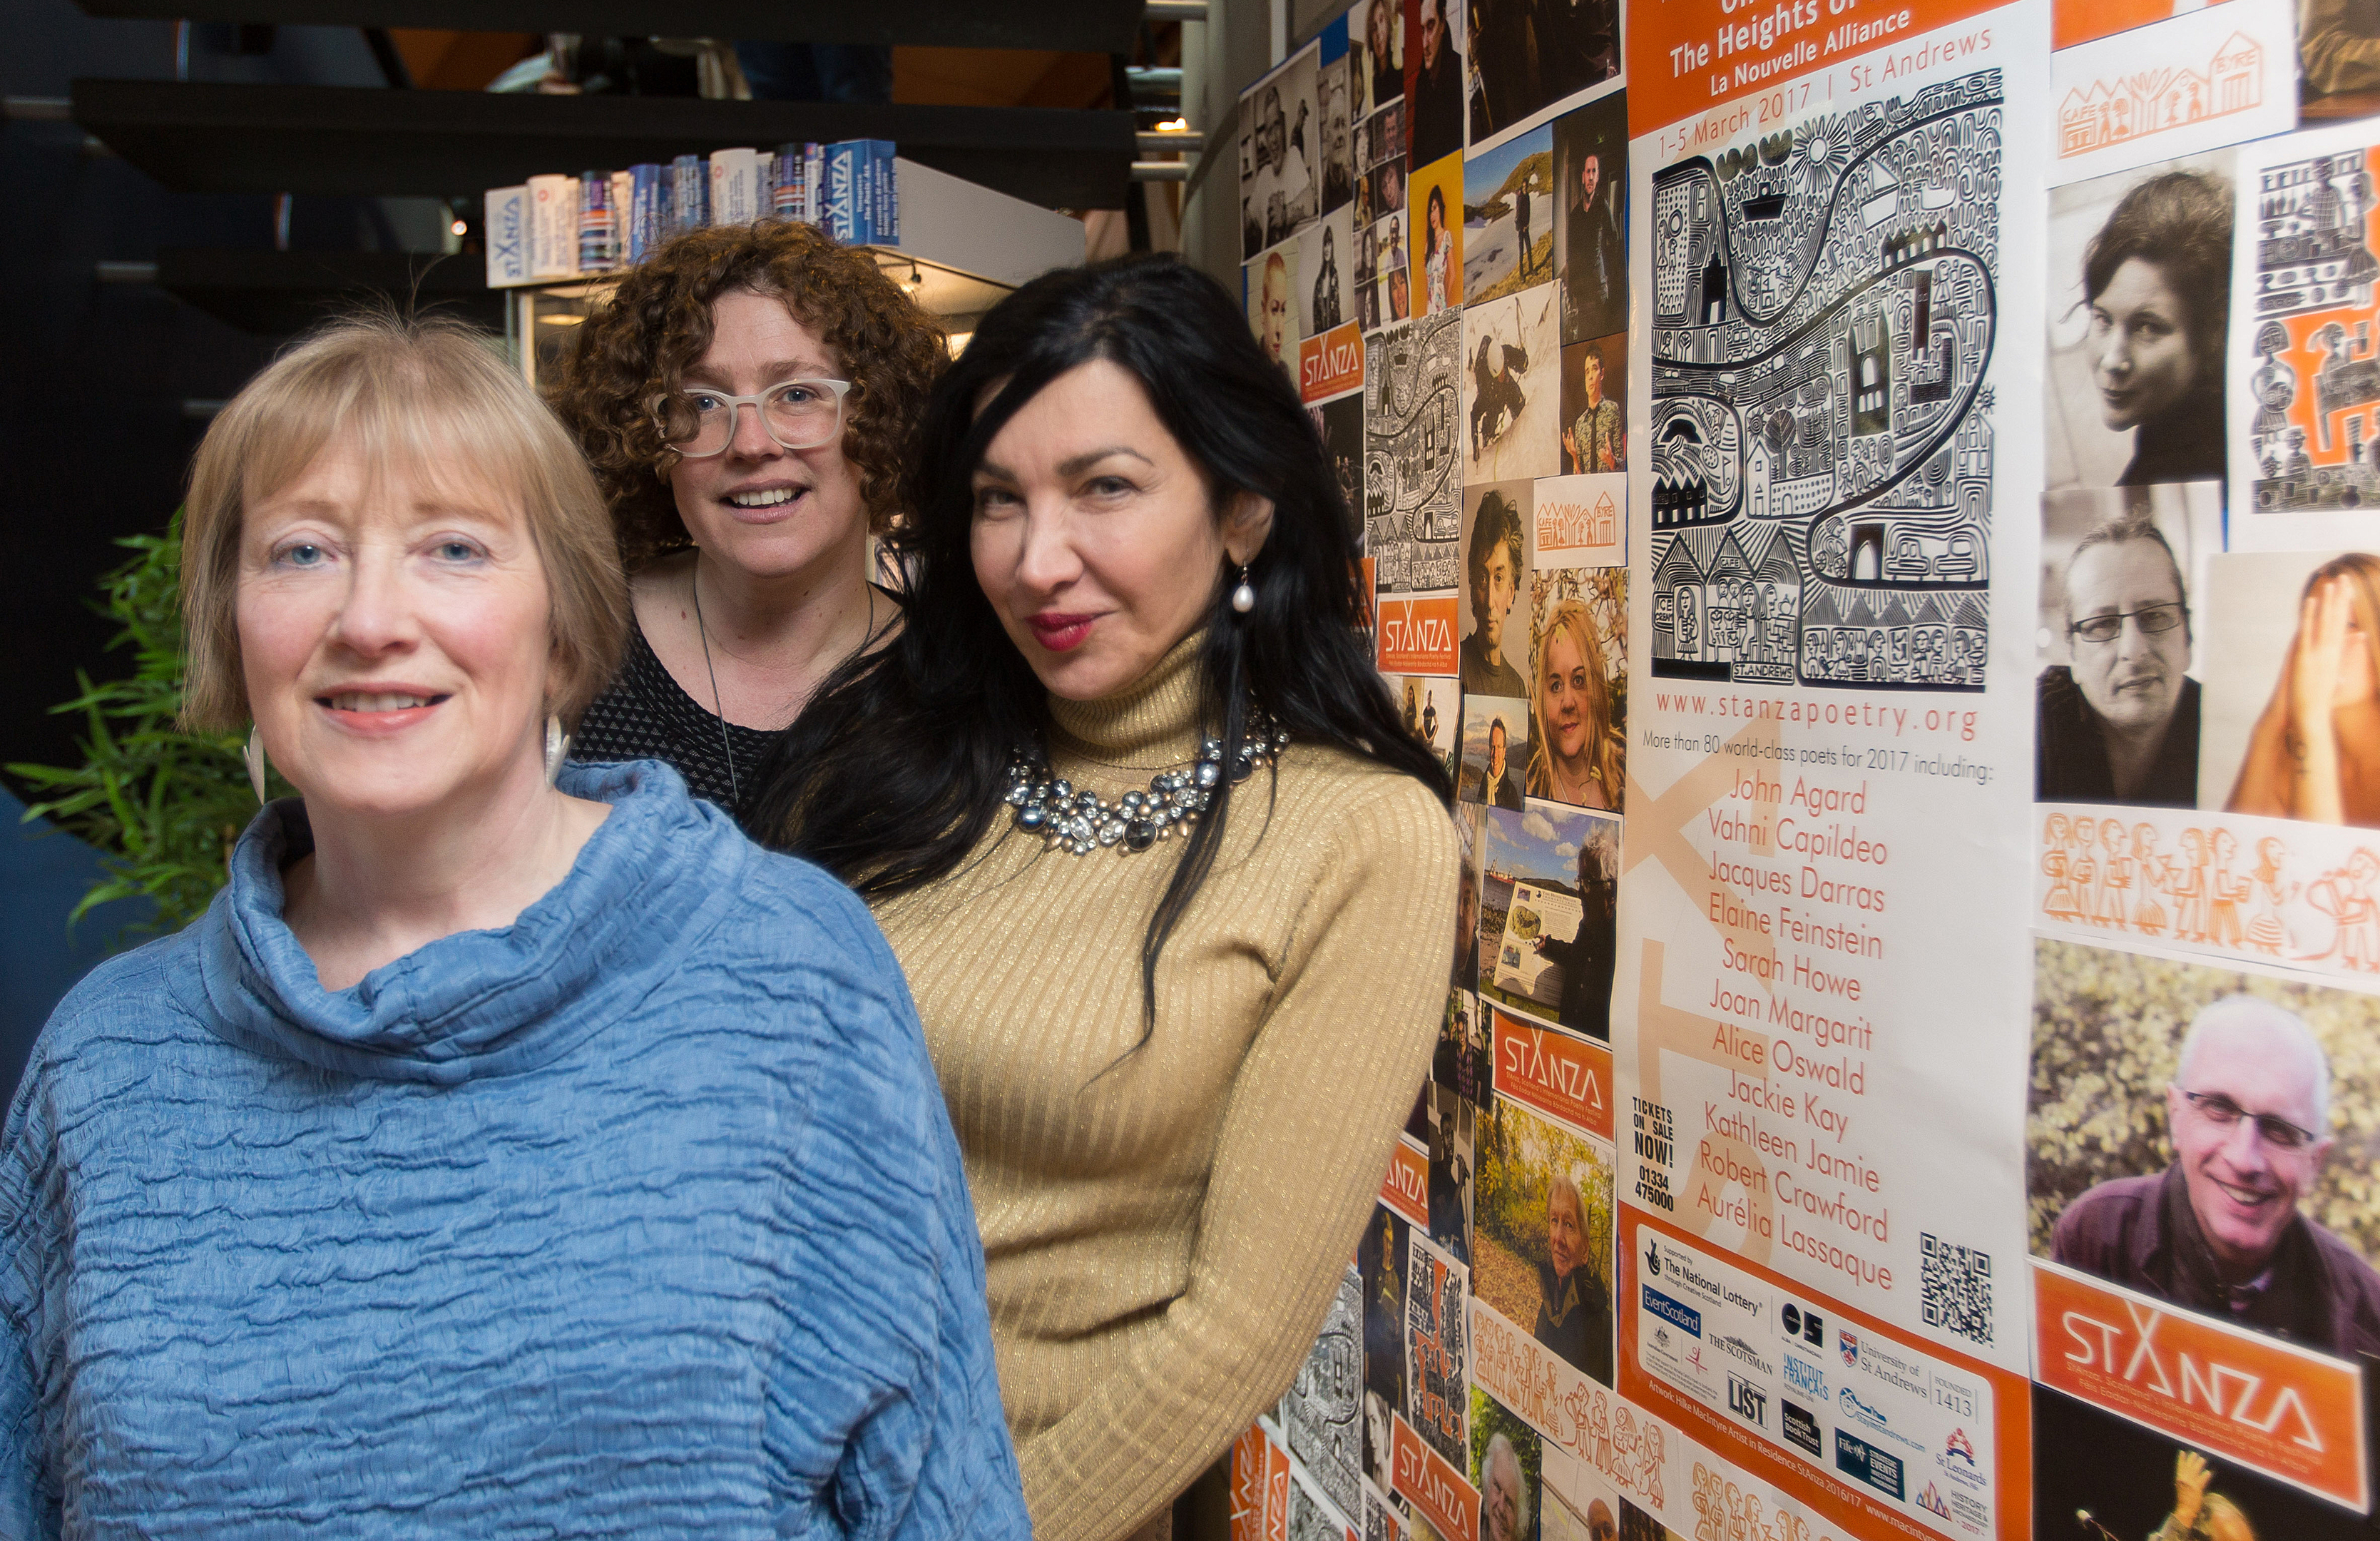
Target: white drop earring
(254,755)
(557,747)
(1244,598)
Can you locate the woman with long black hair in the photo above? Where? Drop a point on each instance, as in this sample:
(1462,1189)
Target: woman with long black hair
(1171,880)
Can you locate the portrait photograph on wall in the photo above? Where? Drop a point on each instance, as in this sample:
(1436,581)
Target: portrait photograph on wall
(2120,643)
(1511,397)
(1528,55)
(1508,235)
(1578,686)
(1546,906)
(1281,157)
(1591,225)
(2292,687)
(2140,301)
(1543,1242)
(2180,1135)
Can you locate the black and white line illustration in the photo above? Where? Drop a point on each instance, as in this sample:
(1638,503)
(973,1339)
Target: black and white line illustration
(1320,1411)
(2312,440)
(1413,453)
(1824,314)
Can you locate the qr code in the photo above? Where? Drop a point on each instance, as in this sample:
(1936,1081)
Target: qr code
(1955,1285)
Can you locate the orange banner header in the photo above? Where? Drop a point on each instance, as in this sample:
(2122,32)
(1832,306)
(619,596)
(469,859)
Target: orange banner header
(1416,634)
(1555,1074)
(1686,57)
(2263,1403)
(1248,1484)
(1433,1485)
(1406,1188)
(1332,364)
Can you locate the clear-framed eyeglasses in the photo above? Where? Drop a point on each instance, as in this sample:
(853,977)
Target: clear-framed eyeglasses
(798,414)
(2223,1113)
(2150,618)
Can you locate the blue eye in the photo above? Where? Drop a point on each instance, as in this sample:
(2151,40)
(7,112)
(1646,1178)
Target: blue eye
(457,551)
(303,555)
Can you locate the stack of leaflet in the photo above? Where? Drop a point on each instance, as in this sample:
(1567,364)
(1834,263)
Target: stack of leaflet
(555,227)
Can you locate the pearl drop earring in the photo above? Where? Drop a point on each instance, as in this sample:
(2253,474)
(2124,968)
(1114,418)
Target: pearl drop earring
(1244,598)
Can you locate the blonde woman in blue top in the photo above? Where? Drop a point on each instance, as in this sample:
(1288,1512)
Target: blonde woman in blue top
(494,1157)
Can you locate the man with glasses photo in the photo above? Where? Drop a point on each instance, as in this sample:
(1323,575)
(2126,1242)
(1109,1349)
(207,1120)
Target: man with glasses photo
(2119,724)
(2219,1231)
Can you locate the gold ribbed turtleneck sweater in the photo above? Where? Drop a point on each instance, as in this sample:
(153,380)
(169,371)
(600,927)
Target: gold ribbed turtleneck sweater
(1162,1240)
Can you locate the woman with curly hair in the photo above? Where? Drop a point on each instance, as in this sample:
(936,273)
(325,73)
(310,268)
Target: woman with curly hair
(744,532)
(1576,756)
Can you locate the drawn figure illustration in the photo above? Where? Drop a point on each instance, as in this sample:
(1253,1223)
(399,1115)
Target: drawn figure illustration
(2189,889)
(2265,931)
(1824,312)
(2059,903)
(2118,880)
(2315,281)
(2345,894)
(2224,891)
(2156,871)
(2085,868)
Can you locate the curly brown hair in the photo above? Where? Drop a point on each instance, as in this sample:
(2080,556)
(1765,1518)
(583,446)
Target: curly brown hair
(658,324)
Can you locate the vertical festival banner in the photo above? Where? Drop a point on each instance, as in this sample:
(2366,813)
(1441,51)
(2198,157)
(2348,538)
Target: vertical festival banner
(1819,999)
(1869,501)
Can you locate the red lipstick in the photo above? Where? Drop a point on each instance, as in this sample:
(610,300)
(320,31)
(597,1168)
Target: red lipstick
(1060,632)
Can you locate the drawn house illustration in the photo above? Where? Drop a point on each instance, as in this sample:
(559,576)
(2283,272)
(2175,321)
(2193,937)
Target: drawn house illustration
(1871,371)
(1713,307)
(2238,75)
(1677,602)
(1833,527)
(2112,111)
(1727,602)
(1776,608)
(1680,494)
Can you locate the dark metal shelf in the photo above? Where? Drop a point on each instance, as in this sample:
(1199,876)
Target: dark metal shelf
(195,136)
(1084,26)
(276,294)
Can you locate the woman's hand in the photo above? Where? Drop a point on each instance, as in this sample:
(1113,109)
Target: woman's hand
(2314,689)
(2190,1476)
(2322,620)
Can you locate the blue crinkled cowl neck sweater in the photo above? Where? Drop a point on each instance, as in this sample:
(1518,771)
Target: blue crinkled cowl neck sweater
(640,1215)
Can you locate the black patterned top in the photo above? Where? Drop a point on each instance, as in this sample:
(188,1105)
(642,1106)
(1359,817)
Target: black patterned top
(644,714)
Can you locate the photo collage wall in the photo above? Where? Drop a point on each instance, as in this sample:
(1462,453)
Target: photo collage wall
(1912,1066)
(1434,213)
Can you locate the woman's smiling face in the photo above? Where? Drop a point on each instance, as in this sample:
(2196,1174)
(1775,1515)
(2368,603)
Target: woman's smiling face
(1096,537)
(1565,697)
(394,633)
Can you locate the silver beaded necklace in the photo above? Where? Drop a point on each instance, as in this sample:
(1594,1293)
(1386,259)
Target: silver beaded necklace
(1081,822)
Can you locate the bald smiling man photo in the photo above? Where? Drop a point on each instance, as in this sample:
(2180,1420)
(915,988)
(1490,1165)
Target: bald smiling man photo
(2220,1231)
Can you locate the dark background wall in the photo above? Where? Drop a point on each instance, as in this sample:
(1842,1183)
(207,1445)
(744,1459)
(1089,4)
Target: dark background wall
(94,435)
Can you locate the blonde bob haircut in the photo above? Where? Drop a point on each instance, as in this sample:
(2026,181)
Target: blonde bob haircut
(429,393)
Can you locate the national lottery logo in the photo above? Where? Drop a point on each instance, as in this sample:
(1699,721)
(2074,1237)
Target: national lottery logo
(1653,1258)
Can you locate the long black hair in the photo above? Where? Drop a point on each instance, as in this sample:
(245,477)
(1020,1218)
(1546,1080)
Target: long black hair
(893,773)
